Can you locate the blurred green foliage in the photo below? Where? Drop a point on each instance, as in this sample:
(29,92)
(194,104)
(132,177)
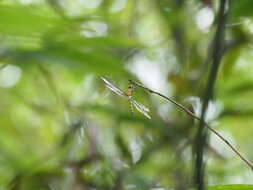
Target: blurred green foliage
(62,129)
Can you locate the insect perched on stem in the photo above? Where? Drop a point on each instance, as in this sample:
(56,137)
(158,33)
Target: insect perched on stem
(129,95)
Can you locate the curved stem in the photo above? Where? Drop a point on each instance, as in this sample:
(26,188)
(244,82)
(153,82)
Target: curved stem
(190,113)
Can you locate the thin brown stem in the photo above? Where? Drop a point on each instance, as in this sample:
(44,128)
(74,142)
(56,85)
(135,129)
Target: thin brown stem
(190,113)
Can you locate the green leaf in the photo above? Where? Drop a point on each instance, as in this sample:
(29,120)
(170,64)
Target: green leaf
(72,59)
(231,187)
(242,8)
(32,21)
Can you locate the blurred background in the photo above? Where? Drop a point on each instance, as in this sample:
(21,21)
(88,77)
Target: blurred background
(61,128)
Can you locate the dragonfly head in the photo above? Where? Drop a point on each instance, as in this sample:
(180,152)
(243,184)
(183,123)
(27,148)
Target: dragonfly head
(130,87)
(130,90)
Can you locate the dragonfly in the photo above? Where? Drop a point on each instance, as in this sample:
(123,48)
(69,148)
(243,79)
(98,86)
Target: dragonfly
(129,95)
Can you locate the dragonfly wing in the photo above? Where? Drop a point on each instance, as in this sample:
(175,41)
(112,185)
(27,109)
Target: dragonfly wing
(141,108)
(113,88)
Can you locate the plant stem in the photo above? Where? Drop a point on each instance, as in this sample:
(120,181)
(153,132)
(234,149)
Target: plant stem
(190,113)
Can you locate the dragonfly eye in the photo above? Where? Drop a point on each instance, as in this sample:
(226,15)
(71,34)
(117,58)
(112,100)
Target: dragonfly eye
(130,87)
